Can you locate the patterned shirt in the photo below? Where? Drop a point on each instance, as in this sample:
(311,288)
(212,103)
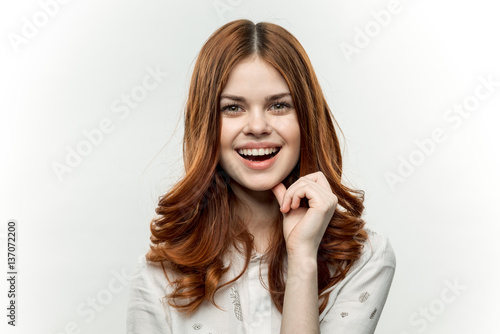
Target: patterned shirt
(354,306)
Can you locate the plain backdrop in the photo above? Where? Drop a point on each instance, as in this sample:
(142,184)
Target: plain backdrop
(396,84)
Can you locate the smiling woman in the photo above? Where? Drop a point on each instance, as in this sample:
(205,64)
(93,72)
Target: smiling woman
(260,122)
(260,235)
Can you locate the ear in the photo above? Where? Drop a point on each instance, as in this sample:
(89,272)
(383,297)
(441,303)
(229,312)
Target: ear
(279,192)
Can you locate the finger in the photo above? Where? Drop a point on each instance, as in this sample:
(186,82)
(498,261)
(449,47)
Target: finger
(288,197)
(306,191)
(319,178)
(299,182)
(279,192)
(298,194)
(317,196)
(295,201)
(293,198)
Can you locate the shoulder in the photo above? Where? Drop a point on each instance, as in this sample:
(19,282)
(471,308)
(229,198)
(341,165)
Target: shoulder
(363,291)
(146,311)
(375,266)
(150,275)
(378,248)
(377,259)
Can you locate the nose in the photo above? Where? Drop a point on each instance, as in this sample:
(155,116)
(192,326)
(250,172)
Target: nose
(257,124)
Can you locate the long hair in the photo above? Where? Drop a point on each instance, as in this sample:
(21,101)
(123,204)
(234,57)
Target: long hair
(197,223)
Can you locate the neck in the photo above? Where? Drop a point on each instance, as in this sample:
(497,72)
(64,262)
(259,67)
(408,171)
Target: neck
(258,212)
(257,201)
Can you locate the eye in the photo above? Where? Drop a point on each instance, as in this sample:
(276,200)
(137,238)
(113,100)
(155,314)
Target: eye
(231,108)
(281,106)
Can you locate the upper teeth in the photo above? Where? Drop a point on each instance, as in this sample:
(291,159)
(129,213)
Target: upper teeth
(258,151)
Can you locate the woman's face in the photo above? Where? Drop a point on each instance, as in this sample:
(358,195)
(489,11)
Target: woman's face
(260,136)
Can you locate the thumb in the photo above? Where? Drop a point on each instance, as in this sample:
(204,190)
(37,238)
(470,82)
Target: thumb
(279,191)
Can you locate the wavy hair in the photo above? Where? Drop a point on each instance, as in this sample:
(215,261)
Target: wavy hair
(196,222)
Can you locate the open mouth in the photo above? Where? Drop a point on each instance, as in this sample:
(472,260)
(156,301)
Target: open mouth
(252,155)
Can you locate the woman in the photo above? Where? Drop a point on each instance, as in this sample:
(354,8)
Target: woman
(260,235)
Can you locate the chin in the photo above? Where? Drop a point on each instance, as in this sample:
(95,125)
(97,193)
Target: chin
(257,185)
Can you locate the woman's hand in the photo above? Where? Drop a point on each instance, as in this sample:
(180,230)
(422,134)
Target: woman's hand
(303,228)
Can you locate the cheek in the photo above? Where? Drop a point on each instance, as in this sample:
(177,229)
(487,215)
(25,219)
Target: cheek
(296,142)
(227,134)
(289,130)
(294,131)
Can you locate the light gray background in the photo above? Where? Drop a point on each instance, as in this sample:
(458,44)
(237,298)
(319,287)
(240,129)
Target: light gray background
(80,235)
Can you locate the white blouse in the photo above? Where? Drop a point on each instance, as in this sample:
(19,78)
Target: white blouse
(354,306)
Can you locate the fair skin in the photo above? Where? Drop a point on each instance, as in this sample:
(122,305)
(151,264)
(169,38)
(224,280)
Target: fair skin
(258,114)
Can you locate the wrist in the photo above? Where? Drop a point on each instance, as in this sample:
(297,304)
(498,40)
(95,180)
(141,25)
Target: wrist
(303,253)
(308,263)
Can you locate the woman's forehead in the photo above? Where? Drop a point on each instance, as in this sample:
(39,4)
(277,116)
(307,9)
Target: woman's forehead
(252,78)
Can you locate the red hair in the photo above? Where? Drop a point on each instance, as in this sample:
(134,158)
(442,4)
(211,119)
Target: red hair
(197,222)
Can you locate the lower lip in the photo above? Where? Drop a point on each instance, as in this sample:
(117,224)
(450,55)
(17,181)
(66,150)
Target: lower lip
(259,165)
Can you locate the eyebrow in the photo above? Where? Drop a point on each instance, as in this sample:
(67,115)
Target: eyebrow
(242,99)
